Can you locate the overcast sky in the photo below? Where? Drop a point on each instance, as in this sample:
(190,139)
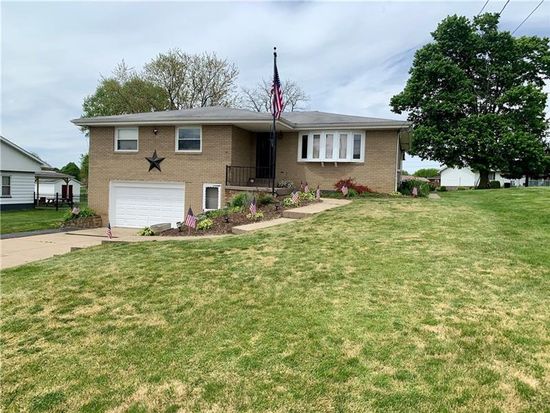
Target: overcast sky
(349,57)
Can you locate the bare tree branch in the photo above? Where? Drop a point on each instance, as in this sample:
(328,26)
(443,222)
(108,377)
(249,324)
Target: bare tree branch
(258,98)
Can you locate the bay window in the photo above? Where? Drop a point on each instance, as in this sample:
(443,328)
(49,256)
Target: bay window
(331,146)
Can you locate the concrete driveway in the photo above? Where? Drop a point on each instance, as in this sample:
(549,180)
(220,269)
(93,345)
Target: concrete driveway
(19,251)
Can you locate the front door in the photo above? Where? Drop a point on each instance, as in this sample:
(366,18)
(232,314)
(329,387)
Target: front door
(263,159)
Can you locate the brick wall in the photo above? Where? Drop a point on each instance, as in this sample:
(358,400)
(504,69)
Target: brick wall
(192,169)
(378,171)
(221,146)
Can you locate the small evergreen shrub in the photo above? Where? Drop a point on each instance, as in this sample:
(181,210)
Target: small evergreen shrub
(461,188)
(494,184)
(442,188)
(352,193)
(265,199)
(241,200)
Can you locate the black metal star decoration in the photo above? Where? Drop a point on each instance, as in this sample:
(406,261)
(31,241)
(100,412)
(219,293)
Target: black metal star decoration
(154,161)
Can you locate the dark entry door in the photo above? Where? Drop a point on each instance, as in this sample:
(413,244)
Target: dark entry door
(263,149)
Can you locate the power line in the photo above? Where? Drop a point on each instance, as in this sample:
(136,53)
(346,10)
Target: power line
(483,8)
(503,7)
(524,20)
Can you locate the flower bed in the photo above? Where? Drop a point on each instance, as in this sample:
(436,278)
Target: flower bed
(235,216)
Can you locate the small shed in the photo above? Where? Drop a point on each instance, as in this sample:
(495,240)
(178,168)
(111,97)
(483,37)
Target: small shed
(50,184)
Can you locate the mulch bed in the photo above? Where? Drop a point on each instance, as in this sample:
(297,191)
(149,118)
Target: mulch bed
(235,219)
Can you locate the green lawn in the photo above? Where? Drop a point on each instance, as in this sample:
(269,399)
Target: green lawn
(410,305)
(30,219)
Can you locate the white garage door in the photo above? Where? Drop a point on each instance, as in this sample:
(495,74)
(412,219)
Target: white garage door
(139,204)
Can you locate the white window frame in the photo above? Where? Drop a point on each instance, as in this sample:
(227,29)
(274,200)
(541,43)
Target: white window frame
(117,139)
(204,186)
(2,185)
(199,127)
(335,146)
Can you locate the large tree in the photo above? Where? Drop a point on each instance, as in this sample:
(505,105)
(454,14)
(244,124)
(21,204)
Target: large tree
(475,97)
(125,91)
(172,80)
(72,169)
(258,98)
(193,80)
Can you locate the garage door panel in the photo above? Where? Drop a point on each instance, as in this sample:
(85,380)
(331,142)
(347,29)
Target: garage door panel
(140,205)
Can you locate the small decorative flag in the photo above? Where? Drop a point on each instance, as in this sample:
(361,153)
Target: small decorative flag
(301,186)
(109,232)
(295,197)
(415,192)
(318,193)
(344,190)
(191,220)
(253,208)
(306,187)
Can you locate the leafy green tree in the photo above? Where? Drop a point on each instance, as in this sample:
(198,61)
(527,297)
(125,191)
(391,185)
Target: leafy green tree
(124,92)
(84,160)
(71,169)
(427,172)
(475,97)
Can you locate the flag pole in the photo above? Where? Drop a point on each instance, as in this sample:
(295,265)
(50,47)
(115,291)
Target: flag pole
(273,133)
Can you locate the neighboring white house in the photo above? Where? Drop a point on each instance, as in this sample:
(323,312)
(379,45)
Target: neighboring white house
(457,177)
(52,183)
(17,168)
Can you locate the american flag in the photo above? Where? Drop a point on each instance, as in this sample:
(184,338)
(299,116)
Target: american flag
(295,197)
(252,207)
(306,188)
(190,219)
(318,193)
(109,232)
(276,91)
(344,190)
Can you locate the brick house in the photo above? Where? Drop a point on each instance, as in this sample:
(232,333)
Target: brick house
(209,153)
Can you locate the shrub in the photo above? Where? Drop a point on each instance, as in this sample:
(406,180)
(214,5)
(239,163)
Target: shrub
(288,202)
(240,200)
(146,232)
(84,213)
(494,184)
(352,193)
(395,194)
(285,183)
(442,188)
(461,188)
(255,217)
(351,184)
(265,199)
(307,196)
(204,224)
(422,187)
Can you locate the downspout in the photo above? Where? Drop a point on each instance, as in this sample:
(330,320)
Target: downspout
(397,160)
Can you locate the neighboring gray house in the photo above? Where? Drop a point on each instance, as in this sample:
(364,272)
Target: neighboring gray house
(18,168)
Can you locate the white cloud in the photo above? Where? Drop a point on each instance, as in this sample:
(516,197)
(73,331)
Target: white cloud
(349,57)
